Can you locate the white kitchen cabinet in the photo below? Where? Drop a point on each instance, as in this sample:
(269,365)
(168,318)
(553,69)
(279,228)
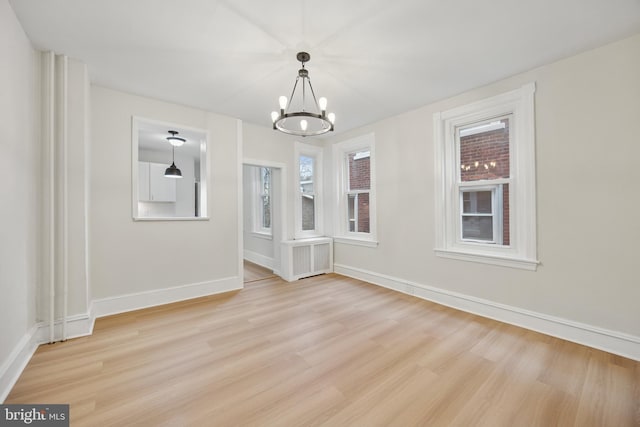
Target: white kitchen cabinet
(143,181)
(152,184)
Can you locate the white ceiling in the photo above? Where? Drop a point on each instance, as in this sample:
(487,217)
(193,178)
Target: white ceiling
(371,58)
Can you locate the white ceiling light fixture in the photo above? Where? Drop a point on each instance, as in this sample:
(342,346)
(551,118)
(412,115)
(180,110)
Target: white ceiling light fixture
(174,140)
(304,122)
(173,171)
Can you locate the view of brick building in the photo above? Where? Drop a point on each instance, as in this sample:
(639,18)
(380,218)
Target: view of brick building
(484,155)
(358,194)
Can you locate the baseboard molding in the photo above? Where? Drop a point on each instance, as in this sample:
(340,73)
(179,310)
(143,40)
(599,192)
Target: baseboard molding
(256,258)
(16,362)
(79,325)
(123,303)
(603,339)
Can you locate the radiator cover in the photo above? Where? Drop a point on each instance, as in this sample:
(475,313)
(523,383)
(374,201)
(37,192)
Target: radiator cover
(306,257)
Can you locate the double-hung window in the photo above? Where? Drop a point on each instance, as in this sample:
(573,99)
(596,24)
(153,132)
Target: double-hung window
(355,215)
(358,190)
(485,181)
(309,191)
(262,200)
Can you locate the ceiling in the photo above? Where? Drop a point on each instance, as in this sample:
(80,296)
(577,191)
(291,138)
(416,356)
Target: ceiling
(371,58)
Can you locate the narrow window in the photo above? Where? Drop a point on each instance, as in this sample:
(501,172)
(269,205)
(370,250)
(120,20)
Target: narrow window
(359,186)
(485,181)
(355,215)
(263,217)
(308,216)
(307,193)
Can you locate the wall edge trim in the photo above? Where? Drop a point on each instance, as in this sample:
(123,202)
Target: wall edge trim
(259,259)
(12,367)
(129,302)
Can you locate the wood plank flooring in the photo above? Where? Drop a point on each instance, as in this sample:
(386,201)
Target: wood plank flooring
(328,351)
(254,272)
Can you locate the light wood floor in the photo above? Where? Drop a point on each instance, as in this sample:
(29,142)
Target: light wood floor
(326,351)
(254,272)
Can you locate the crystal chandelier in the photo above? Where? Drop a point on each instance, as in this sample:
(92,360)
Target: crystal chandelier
(305,121)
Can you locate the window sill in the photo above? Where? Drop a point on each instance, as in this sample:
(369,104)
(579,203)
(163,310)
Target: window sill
(356,242)
(260,235)
(171,218)
(521,263)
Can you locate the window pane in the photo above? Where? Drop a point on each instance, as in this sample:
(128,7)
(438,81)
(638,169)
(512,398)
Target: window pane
(351,211)
(306,174)
(363,212)
(308,213)
(483,201)
(359,170)
(506,235)
(358,212)
(477,227)
(466,201)
(265,187)
(484,150)
(265,176)
(476,202)
(266,212)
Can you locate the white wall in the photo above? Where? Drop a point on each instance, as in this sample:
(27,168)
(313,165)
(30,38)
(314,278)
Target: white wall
(78,185)
(129,257)
(587,144)
(20,189)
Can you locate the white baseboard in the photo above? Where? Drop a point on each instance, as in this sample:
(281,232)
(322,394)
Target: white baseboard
(16,362)
(79,325)
(256,258)
(603,339)
(123,303)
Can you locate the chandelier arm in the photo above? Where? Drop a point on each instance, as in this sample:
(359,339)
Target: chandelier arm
(292,93)
(315,101)
(304,93)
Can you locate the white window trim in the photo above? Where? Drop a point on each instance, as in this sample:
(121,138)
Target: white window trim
(341,232)
(301,149)
(258,229)
(522,250)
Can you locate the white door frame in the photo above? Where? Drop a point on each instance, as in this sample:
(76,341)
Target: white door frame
(281,218)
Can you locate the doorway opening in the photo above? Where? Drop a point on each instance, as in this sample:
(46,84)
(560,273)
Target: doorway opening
(263,224)
(254,272)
